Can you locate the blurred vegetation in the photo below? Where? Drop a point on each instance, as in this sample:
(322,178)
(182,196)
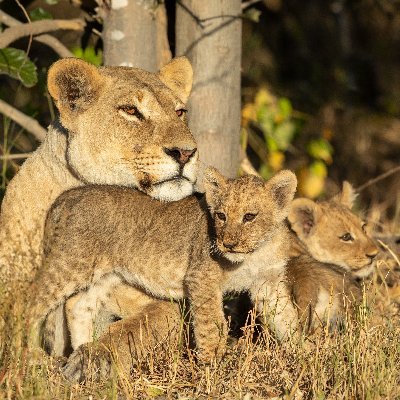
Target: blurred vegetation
(320,82)
(269,127)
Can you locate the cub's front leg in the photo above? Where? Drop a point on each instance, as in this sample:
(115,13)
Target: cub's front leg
(274,306)
(203,285)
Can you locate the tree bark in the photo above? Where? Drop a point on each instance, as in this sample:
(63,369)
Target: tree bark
(209,33)
(135,34)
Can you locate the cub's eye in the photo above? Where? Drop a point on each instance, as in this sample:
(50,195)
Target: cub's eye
(248,217)
(180,112)
(221,216)
(347,237)
(131,111)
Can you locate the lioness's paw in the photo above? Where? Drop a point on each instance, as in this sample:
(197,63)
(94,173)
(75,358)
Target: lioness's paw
(87,363)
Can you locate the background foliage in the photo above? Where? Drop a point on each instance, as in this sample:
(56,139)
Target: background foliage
(320,88)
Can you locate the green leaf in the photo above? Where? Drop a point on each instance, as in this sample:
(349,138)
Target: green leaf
(285,107)
(320,149)
(51,2)
(318,168)
(38,14)
(89,54)
(284,133)
(252,14)
(15,63)
(265,172)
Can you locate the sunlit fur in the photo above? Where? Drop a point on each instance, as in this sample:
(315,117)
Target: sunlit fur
(95,240)
(94,143)
(320,228)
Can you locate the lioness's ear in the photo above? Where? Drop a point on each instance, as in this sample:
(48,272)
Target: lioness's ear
(74,84)
(303,216)
(213,183)
(178,76)
(347,195)
(282,188)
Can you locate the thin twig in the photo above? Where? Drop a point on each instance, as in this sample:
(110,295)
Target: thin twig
(15,156)
(378,178)
(36,28)
(249,3)
(29,21)
(28,123)
(48,40)
(386,247)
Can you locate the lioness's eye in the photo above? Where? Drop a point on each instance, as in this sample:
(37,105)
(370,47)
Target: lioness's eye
(248,217)
(132,110)
(347,237)
(180,112)
(221,216)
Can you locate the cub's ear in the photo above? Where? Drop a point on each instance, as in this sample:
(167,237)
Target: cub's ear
(347,196)
(303,216)
(282,188)
(177,75)
(214,183)
(74,84)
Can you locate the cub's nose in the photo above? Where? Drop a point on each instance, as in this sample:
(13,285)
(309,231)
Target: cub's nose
(229,245)
(372,254)
(181,156)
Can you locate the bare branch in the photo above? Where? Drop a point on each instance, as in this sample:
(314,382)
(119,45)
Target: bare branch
(249,3)
(36,28)
(55,44)
(378,178)
(28,123)
(15,156)
(48,40)
(246,165)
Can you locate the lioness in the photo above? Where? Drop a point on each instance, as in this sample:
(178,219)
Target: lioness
(95,239)
(117,125)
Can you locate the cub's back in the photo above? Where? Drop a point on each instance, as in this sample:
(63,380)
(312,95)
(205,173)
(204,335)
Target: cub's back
(103,219)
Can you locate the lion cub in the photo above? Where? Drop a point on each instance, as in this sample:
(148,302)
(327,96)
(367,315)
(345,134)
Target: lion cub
(95,239)
(330,249)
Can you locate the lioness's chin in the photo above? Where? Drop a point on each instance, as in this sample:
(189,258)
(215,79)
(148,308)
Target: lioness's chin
(234,257)
(172,190)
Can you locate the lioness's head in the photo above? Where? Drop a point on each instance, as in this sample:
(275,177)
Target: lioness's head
(247,211)
(127,126)
(332,233)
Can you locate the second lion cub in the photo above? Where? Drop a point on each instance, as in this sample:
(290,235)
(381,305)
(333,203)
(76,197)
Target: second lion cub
(94,240)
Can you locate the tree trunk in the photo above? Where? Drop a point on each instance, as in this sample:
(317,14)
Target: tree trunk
(135,34)
(209,33)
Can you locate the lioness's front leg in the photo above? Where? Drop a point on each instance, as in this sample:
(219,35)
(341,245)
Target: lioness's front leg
(203,284)
(275,307)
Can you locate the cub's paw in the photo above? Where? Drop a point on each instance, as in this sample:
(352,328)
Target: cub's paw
(88,362)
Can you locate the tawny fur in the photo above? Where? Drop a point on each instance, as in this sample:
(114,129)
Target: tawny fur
(321,291)
(323,266)
(98,141)
(95,238)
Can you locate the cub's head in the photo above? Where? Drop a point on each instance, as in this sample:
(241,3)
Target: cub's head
(127,126)
(247,211)
(332,233)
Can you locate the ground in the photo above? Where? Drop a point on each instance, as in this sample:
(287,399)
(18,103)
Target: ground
(361,362)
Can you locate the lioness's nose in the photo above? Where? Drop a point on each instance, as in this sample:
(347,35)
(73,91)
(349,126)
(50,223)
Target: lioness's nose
(181,156)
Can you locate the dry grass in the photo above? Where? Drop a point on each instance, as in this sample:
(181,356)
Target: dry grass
(361,362)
